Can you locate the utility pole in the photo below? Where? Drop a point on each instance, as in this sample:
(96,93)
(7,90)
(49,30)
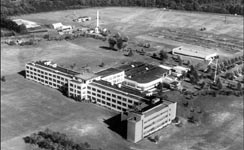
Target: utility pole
(216,69)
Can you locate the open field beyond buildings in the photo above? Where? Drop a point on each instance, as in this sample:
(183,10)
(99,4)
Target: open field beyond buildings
(27,107)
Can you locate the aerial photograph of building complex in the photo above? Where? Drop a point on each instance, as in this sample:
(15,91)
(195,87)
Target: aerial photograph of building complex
(122,74)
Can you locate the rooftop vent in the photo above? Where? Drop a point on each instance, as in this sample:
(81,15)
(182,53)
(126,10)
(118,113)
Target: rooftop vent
(133,66)
(147,68)
(119,85)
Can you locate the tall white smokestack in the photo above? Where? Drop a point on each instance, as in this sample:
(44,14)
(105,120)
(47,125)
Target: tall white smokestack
(97,19)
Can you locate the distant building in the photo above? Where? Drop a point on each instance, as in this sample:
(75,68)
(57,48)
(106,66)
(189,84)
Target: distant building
(82,19)
(28,24)
(178,70)
(62,28)
(202,54)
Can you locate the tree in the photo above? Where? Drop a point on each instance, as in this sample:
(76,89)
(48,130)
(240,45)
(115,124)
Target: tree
(120,43)
(179,60)
(239,86)
(102,64)
(156,139)
(112,42)
(22,29)
(154,55)
(3,79)
(219,84)
(163,55)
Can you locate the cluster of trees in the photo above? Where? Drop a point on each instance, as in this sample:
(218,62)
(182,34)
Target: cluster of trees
(51,140)
(11,25)
(162,55)
(230,63)
(117,40)
(30,6)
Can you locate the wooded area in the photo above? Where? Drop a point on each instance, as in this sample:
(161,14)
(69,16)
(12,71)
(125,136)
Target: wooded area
(15,7)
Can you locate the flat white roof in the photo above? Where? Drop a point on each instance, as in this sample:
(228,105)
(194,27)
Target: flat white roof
(27,23)
(194,51)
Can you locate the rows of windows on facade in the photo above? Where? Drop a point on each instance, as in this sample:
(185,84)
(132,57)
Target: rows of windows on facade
(127,89)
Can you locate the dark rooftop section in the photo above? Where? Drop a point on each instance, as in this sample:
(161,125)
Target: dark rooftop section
(148,109)
(121,90)
(108,72)
(141,72)
(57,68)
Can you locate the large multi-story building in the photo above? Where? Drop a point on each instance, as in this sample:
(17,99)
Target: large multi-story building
(112,88)
(146,119)
(48,73)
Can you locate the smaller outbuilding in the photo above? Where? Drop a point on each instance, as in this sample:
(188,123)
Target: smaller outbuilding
(197,52)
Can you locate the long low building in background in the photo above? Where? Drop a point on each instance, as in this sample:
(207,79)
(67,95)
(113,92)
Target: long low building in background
(198,53)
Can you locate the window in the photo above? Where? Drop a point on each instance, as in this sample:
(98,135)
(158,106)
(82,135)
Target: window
(58,81)
(93,89)
(71,90)
(103,102)
(114,106)
(108,94)
(118,107)
(130,101)
(113,95)
(99,91)
(124,104)
(108,104)
(50,83)
(27,71)
(98,95)
(58,77)
(54,85)
(103,97)
(89,87)
(78,87)
(27,67)
(118,102)
(119,97)
(71,85)
(54,80)
(78,92)
(124,99)
(54,76)
(94,94)
(109,99)
(103,92)
(113,100)
(98,100)
(88,92)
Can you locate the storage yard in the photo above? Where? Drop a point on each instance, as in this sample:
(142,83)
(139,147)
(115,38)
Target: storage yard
(28,106)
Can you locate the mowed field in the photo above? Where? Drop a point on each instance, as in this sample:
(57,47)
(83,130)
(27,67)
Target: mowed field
(27,107)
